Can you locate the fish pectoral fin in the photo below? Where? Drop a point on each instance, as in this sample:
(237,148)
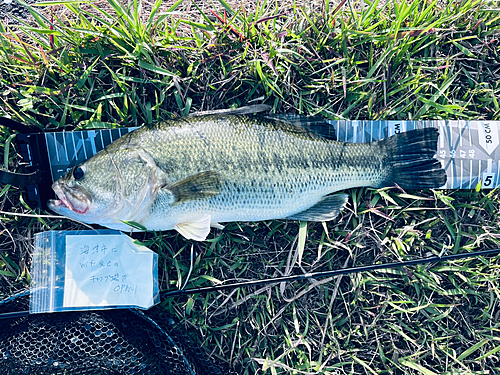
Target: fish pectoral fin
(197,230)
(326,209)
(197,186)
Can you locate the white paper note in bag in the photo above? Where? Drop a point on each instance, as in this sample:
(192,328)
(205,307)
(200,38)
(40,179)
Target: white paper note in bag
(108,270)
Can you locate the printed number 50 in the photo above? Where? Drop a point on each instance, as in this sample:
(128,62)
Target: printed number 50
(488,179)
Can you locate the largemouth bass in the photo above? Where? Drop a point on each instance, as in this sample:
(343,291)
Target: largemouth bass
(197,172)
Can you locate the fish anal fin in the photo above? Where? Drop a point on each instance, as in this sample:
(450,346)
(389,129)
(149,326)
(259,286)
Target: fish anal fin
(197,229)
(326,209)
(197,186)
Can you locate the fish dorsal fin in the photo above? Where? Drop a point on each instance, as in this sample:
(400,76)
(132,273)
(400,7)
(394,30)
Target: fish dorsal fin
(326,209)
(197,229)
(315,125)
(247,110)
(197,186)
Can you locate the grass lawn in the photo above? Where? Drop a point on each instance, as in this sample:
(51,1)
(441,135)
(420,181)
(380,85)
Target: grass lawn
(81,66)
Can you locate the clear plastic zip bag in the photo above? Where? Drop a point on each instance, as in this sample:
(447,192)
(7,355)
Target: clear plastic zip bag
(91,270)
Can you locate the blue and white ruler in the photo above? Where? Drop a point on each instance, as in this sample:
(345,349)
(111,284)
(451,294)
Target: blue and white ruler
(468,150)
(67,149)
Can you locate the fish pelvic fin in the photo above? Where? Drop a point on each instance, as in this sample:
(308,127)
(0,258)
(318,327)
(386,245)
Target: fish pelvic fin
(216,225)
(198,186)
(328,208)
(197,229)
(411,157)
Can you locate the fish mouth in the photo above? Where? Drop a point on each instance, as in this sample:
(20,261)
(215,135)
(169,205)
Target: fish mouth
(75,200)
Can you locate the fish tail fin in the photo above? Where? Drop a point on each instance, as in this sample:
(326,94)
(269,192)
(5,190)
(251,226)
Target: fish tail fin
(411,155)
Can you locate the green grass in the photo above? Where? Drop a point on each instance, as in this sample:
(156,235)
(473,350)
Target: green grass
(362,60)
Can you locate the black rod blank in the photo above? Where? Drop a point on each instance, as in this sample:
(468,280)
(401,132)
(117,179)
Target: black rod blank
(321,274)
(305,276)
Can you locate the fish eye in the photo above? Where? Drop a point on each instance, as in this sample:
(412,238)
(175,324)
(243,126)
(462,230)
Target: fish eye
(78,173)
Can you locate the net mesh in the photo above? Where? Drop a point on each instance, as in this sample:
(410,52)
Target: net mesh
(98,342)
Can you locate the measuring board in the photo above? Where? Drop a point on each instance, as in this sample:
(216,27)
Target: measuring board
(468,150)
(56,153)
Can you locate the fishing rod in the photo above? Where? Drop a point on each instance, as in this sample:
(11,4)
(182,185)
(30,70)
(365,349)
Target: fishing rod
(305,276)
(322,274)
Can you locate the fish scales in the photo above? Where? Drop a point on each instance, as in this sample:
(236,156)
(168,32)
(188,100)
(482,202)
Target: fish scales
(194,172)
(268,171)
